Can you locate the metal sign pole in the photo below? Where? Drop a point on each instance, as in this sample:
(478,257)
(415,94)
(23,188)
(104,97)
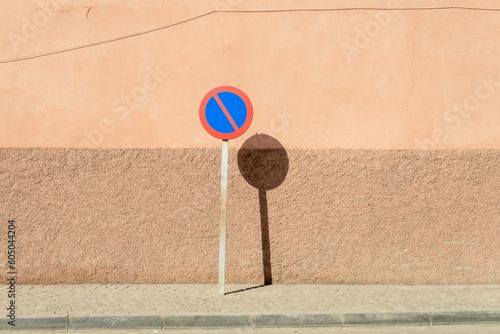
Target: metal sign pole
(223,202)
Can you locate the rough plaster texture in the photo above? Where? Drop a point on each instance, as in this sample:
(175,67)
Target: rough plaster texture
(340,216)
(346,77)
(344,85)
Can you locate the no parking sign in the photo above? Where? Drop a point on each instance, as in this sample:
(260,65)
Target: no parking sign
(225,113)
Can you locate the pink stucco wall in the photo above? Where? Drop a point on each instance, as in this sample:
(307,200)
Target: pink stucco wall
(357,78)
(387,113)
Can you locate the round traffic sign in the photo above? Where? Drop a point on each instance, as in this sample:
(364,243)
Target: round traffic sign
(226,112)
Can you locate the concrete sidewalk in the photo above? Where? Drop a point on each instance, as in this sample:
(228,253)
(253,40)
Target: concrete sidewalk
(71,307)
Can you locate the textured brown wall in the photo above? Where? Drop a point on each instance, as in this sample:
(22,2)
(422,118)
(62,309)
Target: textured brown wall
(353,216)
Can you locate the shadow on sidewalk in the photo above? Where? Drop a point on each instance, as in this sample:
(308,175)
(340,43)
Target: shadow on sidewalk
(263,163)
(246,289)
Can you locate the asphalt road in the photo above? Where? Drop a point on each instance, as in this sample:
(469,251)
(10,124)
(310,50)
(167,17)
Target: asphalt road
(459,329)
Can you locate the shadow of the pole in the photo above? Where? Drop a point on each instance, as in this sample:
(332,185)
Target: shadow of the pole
(246,289)
(266,244)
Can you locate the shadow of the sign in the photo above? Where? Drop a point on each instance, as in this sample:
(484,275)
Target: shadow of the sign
(263,163)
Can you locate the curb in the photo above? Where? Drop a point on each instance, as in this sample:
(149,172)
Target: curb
(285,320)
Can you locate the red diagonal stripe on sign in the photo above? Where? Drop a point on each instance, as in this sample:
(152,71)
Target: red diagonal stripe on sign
(221,105)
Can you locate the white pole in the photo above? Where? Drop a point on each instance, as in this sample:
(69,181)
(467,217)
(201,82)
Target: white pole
(223,201)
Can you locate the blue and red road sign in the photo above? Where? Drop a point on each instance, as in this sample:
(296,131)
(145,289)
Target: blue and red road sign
(226,112)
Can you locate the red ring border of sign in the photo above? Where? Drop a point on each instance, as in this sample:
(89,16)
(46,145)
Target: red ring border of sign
(242,129)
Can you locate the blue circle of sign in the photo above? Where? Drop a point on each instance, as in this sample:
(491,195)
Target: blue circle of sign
(216,117)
